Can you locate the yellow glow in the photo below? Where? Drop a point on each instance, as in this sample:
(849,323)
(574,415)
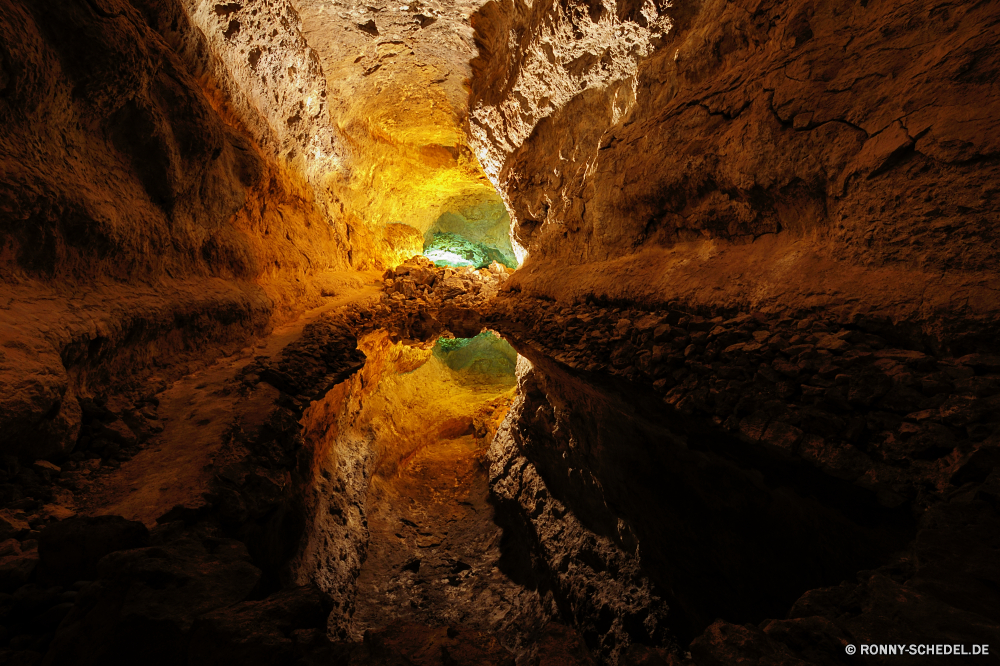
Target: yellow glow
(411,163)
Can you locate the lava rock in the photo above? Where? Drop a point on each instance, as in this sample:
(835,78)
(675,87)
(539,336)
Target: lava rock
(17,569)
(69,550)
(724,643)
(142,607)
(260,633)
(11,526)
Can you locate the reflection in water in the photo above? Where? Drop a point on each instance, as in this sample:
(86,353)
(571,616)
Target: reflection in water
(499,502)
(487,355)
(433,542)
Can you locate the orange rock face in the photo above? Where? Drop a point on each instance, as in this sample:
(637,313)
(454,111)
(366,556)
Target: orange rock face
(854,133)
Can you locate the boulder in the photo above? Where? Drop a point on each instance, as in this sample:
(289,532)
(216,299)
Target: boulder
(725,643)
(259,633)
(142,607)
(16,569)
(11,526)
(69,550)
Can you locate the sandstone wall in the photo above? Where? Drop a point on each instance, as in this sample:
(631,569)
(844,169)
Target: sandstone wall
(759,153)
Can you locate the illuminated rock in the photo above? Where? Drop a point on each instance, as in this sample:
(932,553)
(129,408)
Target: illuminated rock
(451,249)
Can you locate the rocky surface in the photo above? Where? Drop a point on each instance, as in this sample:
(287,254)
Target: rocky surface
(397,76)
(594,574)
(898,418)
(778,155)
(421,300)
(756,411)
(917,432)
(369,434)
(104,589)
(143,226)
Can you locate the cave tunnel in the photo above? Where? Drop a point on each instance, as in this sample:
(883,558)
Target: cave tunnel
(494,333)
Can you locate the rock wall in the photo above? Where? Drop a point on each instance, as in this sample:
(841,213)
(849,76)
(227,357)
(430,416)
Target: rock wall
(117,165)
(145,222)
(397,76)
(363,436)
(650,526)
(750,153)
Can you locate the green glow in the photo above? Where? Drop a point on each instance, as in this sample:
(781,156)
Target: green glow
(486,354)
(446,248)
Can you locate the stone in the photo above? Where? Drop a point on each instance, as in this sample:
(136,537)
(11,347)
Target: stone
(146,599)
(723,643)
(961,410)
(839,459)
(70,550)
(754,426)
(832,343)
(46,468)
(10,547)
(781,437)
(11,526)
(17,569)
(867,387)
(901,399)
(118,432)
(815,638)
(785,368)
(981,362)
(259,632)
(797,350)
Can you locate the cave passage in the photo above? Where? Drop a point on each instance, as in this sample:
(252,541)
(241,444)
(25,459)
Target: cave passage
(474,237)
(498,333)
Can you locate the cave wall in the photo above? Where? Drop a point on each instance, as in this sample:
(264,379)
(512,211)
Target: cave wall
(771,155)
(118,165)
(145,222)
(397,76)
(649,525)
(364,433)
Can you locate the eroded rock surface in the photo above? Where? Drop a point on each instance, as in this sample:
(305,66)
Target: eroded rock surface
(755,417)
(781,154)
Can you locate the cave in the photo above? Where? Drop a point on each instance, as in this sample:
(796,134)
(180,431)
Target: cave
(499,333)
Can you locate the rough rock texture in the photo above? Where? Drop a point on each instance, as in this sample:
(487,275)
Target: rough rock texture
(397,76)
(891,419)
(363,434)
(859,137)
(757,408)
(247,484)
(594,572)
(142,224)
(117,165)
(738,374)
(144,601)
(815,450)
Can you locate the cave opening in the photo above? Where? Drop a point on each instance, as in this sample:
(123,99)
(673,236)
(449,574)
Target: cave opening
(473,237)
